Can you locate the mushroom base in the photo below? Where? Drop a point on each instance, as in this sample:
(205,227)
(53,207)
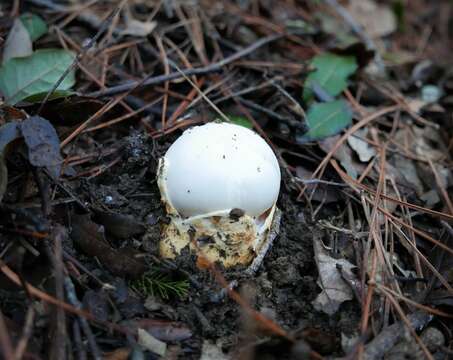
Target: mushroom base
(218,237)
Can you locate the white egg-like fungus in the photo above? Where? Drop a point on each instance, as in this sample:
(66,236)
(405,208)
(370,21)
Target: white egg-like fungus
(221,166)
(219,183)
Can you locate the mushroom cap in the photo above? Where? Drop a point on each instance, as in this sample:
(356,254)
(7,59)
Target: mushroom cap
(221,166)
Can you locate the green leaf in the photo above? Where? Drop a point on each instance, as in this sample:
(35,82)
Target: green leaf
(240,120)
(34,24)
(21,78)
(331,74)
(327,119)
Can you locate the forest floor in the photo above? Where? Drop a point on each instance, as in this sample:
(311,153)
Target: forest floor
(355,98)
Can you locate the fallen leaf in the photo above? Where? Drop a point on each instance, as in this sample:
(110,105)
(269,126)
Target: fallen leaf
(43,144)
(36,74)
(405,172)
(427,143)
(119,225)
(331,74)
(327,119)
(149,342)
(34,24)
(335,290)
(364,150)
(377,20)
(89,236)
(18,43)
(430,198)
(344,155)
(333,26)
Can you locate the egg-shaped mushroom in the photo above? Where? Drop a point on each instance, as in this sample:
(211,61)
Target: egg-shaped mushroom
(219,183)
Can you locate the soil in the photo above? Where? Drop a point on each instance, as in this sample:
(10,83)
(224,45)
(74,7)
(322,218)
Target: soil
(80,210)
(283,289)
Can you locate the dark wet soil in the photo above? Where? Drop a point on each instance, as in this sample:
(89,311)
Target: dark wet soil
(283,288)
(118,241)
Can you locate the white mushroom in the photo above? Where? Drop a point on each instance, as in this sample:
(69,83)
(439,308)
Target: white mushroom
(220,183)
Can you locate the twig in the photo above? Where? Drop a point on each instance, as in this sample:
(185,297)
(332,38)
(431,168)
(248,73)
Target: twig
(300,111)
(215,67)
(26,333)
(5,340)
(72,298)
(79,265)
(77,336)
(59,332)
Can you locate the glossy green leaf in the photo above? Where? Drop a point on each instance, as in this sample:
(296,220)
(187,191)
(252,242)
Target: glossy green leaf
(34,24)
(331,74)
(327,119)
(21,78)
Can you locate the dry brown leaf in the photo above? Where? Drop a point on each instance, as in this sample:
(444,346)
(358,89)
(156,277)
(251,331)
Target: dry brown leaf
(335,289)
(377,20)
(18,43)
